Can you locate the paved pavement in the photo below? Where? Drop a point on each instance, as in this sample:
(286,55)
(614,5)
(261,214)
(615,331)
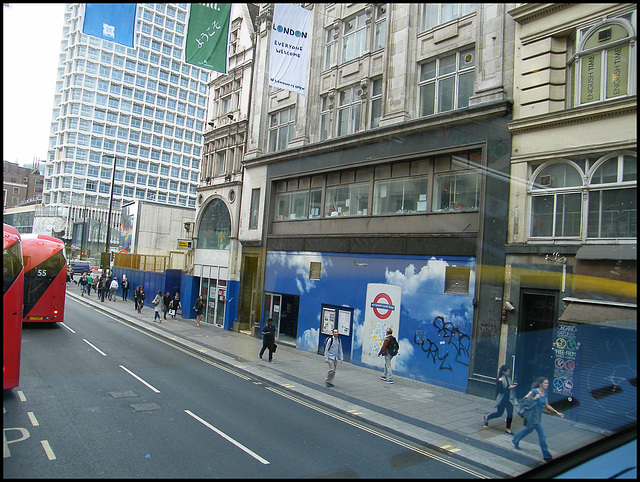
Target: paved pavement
(431,416)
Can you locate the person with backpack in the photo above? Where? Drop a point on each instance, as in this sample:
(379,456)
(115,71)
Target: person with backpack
(332,353)
(389,349)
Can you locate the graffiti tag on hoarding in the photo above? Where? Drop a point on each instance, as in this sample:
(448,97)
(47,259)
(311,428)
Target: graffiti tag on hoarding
(454,339)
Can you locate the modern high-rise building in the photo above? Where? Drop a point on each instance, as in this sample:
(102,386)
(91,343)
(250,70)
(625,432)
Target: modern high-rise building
(139,110)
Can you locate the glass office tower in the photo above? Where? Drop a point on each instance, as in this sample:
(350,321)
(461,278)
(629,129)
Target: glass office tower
(142,109)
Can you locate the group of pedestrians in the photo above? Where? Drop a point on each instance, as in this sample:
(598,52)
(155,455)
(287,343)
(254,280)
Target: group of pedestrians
(535,400)
(101,285)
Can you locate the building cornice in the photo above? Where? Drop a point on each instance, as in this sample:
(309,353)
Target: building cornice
(576,115)
(533,11)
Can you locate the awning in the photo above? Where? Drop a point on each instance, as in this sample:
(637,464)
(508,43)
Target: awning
(604,315)
(597,251)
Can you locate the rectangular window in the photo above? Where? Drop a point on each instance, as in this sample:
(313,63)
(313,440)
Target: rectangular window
(349,107)
(447,83)
(376,103)
(325,116)
(292,205)
(354,37)
(403,196)
(380,27)
(281,129)
(351,200)
(456,192)
(330,48)
(433,14)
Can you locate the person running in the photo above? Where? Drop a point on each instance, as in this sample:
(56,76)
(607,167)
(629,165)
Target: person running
(505,398)
(539,394)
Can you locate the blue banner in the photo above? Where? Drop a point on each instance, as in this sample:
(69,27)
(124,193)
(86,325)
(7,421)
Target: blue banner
(111,21)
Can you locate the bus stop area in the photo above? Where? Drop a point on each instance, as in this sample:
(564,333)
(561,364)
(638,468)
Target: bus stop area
(433,417)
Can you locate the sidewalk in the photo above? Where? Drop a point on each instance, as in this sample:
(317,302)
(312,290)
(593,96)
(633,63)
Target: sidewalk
(436,417)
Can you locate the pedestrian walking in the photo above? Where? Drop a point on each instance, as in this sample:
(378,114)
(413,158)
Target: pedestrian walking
(268,339)
(125,287)
(332,353)
(198,308)
(505,398)
(175,304)
(83,283)
(384,351)
(157,306)
(103,287)
(89,284)
(166,302)
(533,419)
(113,288)
(96,278)
(140,298)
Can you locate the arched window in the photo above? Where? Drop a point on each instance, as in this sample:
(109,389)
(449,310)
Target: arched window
(604,63)
(556,200)
(612,198)
(215,226)
(604,206)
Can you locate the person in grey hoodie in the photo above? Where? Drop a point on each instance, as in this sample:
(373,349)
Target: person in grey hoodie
(332,353)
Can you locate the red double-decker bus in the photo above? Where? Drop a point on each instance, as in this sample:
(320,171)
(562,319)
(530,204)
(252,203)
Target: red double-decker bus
(12,286)
(45,278)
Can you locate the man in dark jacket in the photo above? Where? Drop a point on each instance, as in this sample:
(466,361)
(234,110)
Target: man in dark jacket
(268,338)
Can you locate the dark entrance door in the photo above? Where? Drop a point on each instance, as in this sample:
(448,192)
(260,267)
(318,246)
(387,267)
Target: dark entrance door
(534,346)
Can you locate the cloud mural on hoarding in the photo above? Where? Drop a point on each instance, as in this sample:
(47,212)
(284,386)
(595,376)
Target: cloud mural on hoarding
(417,287)
(300,263)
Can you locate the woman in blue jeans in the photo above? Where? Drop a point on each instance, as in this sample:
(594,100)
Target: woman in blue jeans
(539,394)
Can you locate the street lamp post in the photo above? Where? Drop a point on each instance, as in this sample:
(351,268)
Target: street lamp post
(106,256)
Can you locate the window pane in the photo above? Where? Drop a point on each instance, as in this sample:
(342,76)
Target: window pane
(613,214)
(568,215)
(428,71)
(542,216)
(591,67)
(617,71)
(427,99)
(465,89)
(630,168)
(558,175)
(314,203)
(606,173)
(445,94)
(447,65)
(400,197)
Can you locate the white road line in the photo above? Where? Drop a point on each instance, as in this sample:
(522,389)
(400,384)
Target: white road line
(47,450)
(381,435)
(139,379)
(21,396)
(229,439)
(67,328)
(34,420)
(96,349)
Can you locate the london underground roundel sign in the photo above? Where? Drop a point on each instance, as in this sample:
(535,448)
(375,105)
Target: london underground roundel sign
(382,309)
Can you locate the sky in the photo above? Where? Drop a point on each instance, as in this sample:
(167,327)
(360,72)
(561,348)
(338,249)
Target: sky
(31,44)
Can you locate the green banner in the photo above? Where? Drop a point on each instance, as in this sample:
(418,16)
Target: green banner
(207,36)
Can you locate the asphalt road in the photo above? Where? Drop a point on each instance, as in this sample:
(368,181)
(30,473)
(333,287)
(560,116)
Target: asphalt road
(99,398)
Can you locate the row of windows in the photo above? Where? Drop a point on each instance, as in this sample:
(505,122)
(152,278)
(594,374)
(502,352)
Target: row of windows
(132,178)
(353,34)
(106,172)
(129,194)
(115,103)
(166,97)
(89,111)
(406,192)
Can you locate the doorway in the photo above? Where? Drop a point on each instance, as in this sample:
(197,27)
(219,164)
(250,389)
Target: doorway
(214,292)
(534,346)
(283,310)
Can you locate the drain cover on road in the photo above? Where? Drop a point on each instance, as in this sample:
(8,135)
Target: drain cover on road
(145,407)
(128,393)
